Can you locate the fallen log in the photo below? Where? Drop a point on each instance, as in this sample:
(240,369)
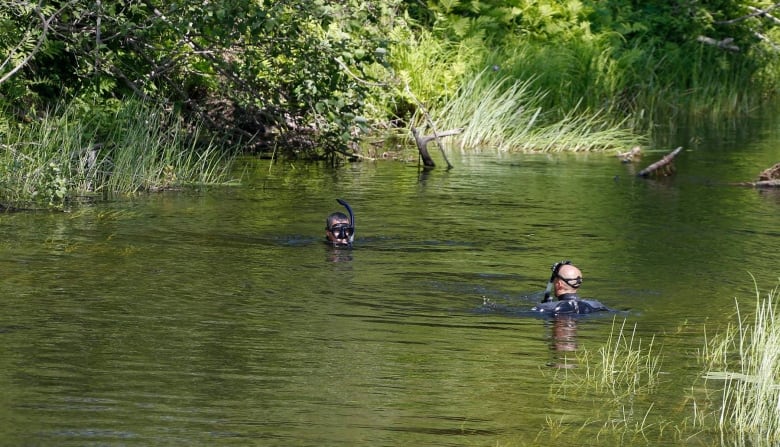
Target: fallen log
(760,184)
(772,173)
(423,140)
(629,156)
(662,167)
(768,178)
(767,183)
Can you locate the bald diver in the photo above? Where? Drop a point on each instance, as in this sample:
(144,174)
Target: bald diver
(564,285)
(340,229)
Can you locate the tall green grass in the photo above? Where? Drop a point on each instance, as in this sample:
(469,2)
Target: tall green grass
(624,366)
(579,95)
(71,154)
(619,377)
(642,85)
(499,112)
(154,150)
(746,357)
(431,68)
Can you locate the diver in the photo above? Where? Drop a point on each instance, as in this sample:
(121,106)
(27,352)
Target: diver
(564,284)
(340,229)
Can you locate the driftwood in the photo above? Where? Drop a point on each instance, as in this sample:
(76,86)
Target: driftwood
(769,178)
(767,184)
(423,140)
(662,167)
(760,184)
(772,173)
(629,156)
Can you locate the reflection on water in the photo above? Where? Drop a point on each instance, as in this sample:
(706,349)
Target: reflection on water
(219,317)
(564,341)
(336,254)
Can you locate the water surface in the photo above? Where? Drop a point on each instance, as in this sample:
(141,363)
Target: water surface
(219,316)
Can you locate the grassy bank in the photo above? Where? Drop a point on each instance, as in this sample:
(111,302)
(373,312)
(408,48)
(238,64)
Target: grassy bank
(575,95)
(509,115)
(73,154)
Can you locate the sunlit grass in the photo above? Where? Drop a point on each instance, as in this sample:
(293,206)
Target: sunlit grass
(68,155)
(622,366)
(589,95)
(431,68)
(746,357)
(45,161)
(154,151)
(505,114)
(600,85)
(619,378)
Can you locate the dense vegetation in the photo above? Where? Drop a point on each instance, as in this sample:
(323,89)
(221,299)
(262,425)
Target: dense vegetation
(312,78)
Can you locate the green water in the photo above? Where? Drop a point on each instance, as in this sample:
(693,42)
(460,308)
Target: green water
(219,317)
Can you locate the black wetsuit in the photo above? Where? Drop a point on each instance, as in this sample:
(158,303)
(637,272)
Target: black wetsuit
(570,303)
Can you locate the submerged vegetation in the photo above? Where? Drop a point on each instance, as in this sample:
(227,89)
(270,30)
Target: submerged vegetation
(746,358)
(621,375)
(739,404)
(624,367)
(311,79)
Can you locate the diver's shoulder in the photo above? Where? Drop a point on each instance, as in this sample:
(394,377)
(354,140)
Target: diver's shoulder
(571,306)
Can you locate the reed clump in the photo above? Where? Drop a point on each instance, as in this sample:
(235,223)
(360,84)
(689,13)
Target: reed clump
(508,114)
(746,357)
(623,366)
(619,377)
(72,154)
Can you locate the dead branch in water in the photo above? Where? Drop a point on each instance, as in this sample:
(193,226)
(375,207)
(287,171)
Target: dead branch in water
(772,173)
(769,178)
(423,140)
(662,167)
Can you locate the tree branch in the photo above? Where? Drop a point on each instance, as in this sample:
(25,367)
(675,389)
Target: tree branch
(45,24)
(662,166)
(757,12)
(765,13)
(726,44)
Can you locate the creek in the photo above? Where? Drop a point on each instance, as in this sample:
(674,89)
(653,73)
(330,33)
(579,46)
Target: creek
(219,317)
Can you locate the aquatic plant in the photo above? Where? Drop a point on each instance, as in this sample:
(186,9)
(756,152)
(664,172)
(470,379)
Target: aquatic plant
(623,366)
(154,150)
(746,357)
(618,376)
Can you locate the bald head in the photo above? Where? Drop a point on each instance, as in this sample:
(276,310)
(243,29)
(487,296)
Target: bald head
(568,280)
(569,271)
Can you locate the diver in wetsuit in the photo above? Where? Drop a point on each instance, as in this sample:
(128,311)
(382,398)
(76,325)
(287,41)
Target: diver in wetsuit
(340,229)
(565,281)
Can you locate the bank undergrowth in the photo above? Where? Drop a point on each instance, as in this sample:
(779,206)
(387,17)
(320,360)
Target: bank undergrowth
(505,114)
(590,93)
(71,154)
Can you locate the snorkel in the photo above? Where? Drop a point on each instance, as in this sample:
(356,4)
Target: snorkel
(351,219)
(548,290)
